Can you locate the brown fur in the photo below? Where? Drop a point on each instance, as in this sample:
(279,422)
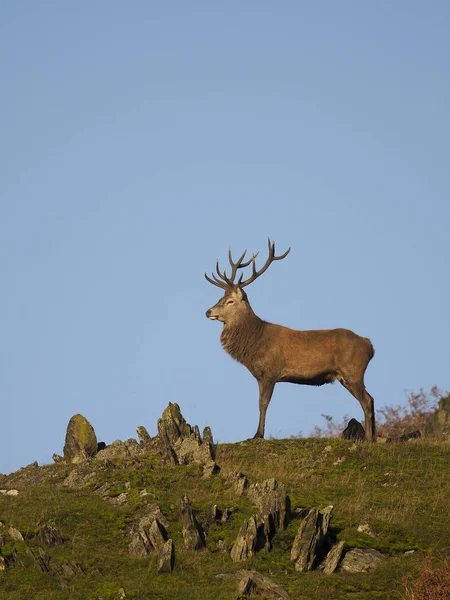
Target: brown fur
(273,353)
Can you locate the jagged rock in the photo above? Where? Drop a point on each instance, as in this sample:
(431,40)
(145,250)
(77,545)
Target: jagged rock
(273,509)
(354,431)
(210,469)
(360,560)
(271,499)
(70,569)
(50,536)
(2,564)
(143,435)
(193,535)
(121,595)
(57,458)
(239,482)
(42,561)
(208,437)
(120,500)
(81,441)
(253,583)
(14,560)
(245,544)
(223,545)
(166,559)
(120,450)
(226,514)
(308,546)
(79,477)
(437,425)
(365,528)
(15,534)
(213,514)
(157,535)
(178,442)
(140,540)
(333,557)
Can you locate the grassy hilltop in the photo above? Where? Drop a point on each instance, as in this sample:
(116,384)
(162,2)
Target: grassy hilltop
(400,491)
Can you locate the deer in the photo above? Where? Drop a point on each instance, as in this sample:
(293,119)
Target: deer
(274,353)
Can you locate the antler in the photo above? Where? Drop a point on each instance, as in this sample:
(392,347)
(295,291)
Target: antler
(226,282)
(269,261)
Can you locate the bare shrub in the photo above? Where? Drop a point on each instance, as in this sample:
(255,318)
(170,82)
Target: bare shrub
(392,421)
(433,583)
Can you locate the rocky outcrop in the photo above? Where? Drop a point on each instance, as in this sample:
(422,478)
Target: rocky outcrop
(360,560)
(81,441)
(354,431)
(437,425)
(273,513)
(252,583)
(239,482)
(179,443)
(333,558)
(120,450)
(246,541)
(50,536)
(309,544)
(143,538)
(193,535)
(166,558)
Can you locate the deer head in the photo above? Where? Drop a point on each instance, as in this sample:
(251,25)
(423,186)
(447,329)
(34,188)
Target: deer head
(234,303)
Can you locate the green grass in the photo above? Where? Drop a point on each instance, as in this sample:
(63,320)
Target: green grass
(400,490)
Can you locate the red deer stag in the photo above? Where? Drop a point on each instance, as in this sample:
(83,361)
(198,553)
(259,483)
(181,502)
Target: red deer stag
(273,353)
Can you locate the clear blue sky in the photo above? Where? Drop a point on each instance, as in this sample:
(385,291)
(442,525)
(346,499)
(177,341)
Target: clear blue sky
(140,139)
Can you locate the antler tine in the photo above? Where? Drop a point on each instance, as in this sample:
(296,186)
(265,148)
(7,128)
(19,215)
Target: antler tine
(216,281)
(255,274)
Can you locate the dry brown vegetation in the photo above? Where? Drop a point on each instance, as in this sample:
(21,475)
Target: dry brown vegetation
(433,582)
(392,420)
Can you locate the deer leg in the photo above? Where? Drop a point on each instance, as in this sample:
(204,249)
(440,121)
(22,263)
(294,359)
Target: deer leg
(265,394)
(365,399)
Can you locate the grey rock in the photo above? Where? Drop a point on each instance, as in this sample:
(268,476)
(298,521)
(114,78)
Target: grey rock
(333,558)
(50,536)
(166,559)
(143,435)
(15,534)
(42,561)
(239,482)
(245,544)
(79,477)
(354,431)
(253,583)
(117,449)
(178,442)
(210,469)
(212,515)
(309,543)
(437,425)
(157,535)
(271,499)
(140,543)
(14,560)
(360,560)
(193,535)
(81,441)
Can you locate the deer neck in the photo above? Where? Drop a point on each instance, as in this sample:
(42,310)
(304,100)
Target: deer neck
(243,339)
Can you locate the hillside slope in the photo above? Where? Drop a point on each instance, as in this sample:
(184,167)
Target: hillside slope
(396,494)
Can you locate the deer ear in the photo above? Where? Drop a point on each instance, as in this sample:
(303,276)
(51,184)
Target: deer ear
(239,293)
